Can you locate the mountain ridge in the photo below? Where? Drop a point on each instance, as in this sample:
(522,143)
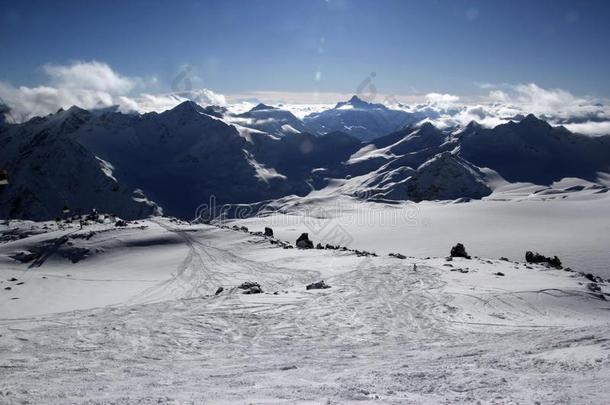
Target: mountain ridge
(183,156)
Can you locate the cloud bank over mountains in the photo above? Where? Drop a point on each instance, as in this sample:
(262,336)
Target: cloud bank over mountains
(93,85)
(506,102)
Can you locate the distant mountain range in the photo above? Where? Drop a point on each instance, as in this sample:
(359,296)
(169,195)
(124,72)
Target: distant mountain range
(137,165)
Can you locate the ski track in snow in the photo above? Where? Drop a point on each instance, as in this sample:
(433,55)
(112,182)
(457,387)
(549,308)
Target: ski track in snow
(384,333)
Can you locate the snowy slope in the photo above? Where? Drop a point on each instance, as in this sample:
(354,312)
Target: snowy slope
(446,177)
(388,330)
(414,164)
(513,219)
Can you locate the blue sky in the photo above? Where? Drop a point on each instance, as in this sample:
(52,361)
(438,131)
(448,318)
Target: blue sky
(236,47)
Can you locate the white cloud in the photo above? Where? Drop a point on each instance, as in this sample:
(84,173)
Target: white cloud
(505,102)
(502,103)
(590,128)
(92,85)
(26,102)
(555,104)
(443,99)
(96,85)
(162,102)
(93,76)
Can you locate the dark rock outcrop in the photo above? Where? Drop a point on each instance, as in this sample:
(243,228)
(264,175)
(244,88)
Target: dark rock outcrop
(594,287)
(250,287)
(268,232)
(320,285)
(459,251)
(532,257)
(303,242)
(253,290)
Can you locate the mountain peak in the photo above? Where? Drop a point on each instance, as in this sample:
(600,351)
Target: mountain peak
(76,110)
(472,125)
(428,129)
(355,99)
(357,102)
(427,126)
(262,106)
(188,106)
(532,120)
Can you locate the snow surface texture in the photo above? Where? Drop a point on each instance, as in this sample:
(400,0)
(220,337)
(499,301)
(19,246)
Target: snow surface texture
(135,319)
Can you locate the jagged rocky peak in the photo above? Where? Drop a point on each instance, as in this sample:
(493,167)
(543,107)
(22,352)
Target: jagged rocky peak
(76,110)
(69,119)
(531,120)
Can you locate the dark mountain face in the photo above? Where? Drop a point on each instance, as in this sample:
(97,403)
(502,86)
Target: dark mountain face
(533,151)
(48,170)
(297,155)
(4,111)
(181,158)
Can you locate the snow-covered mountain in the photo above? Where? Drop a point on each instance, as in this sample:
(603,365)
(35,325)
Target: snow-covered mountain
(360,119)
(272,120)
(414,164)
(49,170)
(534,151)
(182,157)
